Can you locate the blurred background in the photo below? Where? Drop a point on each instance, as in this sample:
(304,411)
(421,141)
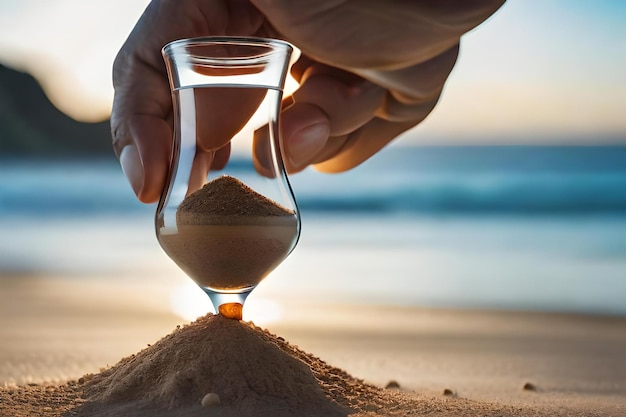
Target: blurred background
(511,195)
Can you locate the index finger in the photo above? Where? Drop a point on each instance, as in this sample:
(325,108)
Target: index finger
(141,119)
(140,127)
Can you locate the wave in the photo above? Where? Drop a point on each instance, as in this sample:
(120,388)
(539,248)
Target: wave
(439,181)
(513,196)
(466,195)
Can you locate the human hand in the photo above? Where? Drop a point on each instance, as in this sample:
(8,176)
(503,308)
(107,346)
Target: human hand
(368,72)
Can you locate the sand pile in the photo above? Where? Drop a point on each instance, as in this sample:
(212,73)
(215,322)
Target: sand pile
(228,236)
(227,200)
(247,371)
(252,372)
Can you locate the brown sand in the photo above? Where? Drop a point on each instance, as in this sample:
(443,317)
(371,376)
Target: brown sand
(59,328)
(253,372)
(228,236)
(225,200)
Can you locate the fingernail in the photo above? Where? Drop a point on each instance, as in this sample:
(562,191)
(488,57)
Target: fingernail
(306,143)
(132,167)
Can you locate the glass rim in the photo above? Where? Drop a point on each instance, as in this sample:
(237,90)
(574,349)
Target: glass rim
(226,40)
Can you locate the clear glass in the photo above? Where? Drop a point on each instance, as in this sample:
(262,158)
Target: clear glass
(227,215)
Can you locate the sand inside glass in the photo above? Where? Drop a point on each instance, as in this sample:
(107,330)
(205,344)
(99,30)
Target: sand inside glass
(229,237)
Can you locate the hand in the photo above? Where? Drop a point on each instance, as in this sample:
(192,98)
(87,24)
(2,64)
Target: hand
(368,72)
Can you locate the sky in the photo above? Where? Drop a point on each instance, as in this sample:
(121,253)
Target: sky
(538,71)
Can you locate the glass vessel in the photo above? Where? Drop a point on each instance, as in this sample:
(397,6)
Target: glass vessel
(227,216)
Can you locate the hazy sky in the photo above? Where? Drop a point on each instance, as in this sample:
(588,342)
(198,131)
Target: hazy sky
(538,71)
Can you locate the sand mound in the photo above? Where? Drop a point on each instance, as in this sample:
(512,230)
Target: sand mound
(252,372)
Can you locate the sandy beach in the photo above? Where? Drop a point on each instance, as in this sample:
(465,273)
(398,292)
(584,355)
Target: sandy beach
(56,330)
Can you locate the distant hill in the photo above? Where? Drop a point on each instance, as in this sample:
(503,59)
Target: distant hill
(30,125)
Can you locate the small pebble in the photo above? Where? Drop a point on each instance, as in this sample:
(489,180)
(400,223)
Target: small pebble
(448,392)
(211,400)
(529,387)
(392,384)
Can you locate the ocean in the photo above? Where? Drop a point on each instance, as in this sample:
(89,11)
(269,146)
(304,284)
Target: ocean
(520,228)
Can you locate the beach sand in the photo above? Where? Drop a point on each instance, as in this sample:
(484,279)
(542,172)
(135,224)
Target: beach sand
(57,329)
